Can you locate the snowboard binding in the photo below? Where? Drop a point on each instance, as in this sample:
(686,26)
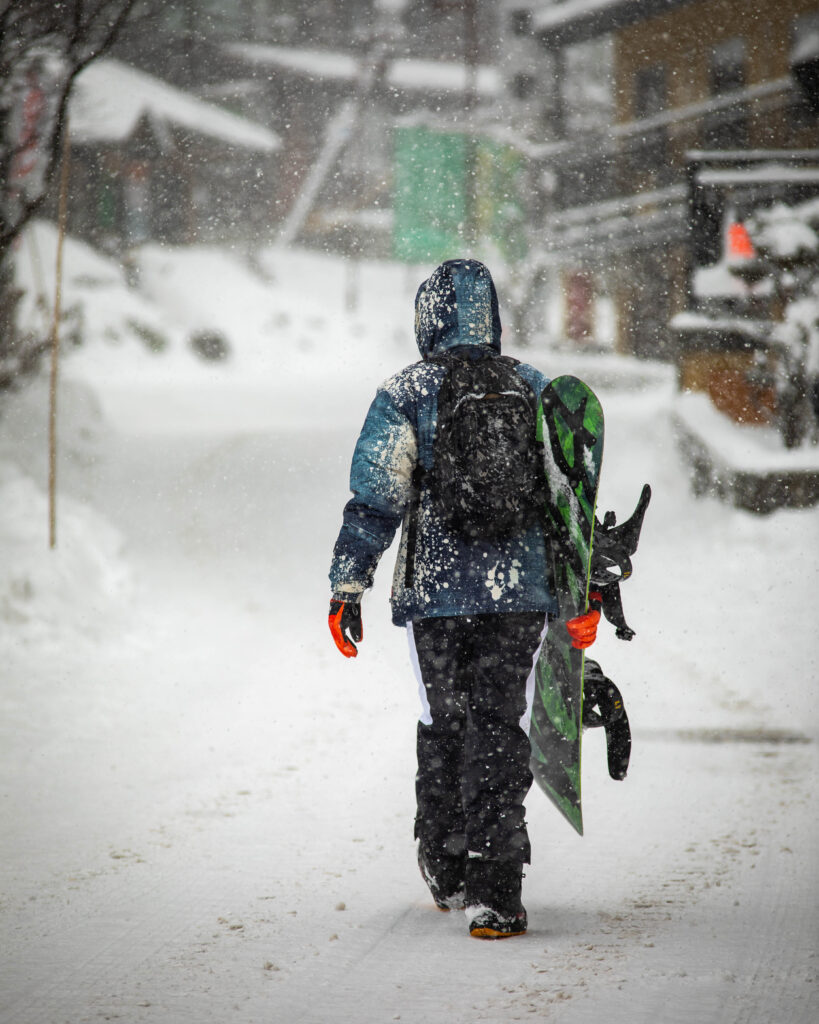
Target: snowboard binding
(610,565)
(611,561)
(600,693)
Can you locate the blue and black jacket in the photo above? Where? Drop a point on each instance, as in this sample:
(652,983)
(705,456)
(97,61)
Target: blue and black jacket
(448,574)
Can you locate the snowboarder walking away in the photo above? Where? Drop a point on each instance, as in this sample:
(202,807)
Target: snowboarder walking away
(470,584)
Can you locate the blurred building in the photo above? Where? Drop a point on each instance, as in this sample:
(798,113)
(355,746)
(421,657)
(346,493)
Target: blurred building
(296,67)
(618,99)
(151,162)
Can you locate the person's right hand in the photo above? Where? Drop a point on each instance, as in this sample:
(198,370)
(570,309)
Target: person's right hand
(344,618)
(583,629)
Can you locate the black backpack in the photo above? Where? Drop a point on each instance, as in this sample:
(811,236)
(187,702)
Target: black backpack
(487,477)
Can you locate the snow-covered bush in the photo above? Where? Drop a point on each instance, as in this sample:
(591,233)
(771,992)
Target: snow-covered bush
(786,240)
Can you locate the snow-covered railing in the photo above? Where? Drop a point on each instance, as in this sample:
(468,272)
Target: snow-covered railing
(577,20)
(611,225)
(407,74)
(623,206)
(607,139)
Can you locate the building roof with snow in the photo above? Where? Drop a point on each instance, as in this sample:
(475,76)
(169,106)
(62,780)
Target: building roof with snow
(312,63)
(413,75)
(406,74)
(578,20)
(110,99)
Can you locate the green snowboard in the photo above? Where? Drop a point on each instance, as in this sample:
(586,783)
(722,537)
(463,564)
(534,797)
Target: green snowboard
(570,424)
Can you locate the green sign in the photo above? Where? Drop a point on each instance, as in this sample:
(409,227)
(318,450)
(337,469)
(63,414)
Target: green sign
(431,205)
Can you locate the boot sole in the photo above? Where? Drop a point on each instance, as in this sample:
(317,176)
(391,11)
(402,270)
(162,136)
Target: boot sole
(447,910)
(492,933)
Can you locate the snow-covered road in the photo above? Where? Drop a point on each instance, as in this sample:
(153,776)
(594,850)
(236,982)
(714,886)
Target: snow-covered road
(207,813)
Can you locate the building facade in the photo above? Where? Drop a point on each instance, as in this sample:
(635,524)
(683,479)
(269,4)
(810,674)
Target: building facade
(295,67)
(628,93)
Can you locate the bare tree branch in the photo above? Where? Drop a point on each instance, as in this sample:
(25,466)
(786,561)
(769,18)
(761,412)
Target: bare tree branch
(67,35)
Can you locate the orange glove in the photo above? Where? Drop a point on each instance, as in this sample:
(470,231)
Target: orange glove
(345,616)
(583,628)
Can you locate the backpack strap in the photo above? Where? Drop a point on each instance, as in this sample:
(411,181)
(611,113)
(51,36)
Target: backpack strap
(418,475)
(427,414)
(427,405)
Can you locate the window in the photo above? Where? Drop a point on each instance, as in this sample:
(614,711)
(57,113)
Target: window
(520,23)
(649,151)
(650,92)
(588,100)
(523,86)
(727,126)
(727,71)
(804,60)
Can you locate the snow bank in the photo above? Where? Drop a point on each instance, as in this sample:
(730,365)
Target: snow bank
(79,590)
(99,304)
(745,447)
(51,595)
(310,339)
(304,332)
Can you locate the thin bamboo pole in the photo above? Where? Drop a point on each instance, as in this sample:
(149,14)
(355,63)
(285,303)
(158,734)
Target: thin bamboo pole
(55,346)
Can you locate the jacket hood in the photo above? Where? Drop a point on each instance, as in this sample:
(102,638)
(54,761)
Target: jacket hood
(457,305)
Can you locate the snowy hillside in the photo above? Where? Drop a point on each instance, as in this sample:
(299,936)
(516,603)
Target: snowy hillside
(207,813)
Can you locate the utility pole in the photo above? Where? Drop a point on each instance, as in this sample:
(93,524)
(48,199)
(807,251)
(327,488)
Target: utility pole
(471,54)
(340,128)
(55,340)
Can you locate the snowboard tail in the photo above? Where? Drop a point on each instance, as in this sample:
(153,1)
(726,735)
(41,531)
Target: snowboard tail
(570,424)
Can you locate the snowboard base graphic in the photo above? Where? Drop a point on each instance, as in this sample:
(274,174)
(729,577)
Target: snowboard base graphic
(570,424)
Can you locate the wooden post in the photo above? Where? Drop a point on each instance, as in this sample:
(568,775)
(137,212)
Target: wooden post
(55,345)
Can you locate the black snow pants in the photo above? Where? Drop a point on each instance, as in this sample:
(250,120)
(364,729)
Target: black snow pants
(473,753)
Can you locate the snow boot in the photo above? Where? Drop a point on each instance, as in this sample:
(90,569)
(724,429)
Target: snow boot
(444,874)
(493,905)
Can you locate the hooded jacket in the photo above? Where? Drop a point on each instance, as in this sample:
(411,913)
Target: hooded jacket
(451,575)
